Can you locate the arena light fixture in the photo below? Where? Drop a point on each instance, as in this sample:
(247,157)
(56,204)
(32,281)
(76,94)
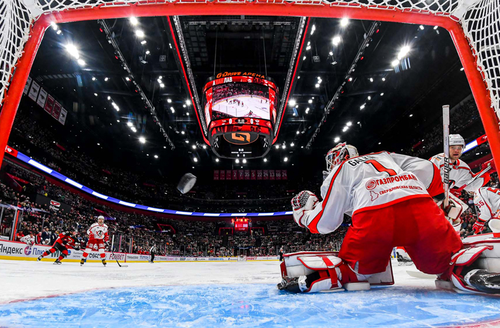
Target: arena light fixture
(292,144)
(182,132)
(195,160)
(369,98)
(310,101)
(95,94)
(284,146)
(277,146)
(139,33)
(371,79)
(383,79)
(285,159)
(349,123)
(162,85)
(156,156)
(345,129)
(127,78)
(304,58)
(72,50)
(148,52)
(265,159)
(382,94)
(93,78)
(142,140)
(193,146)
(336,40)
(344,22)
(143,42)
(81,62)
(395,63)
(421,27)
(129,124)
(217,160)
(169,100)
(133,129)
(237,161)
(106,79)
(362,107)
(134,21)
(337,139)
(313,28)
(187,141)
(292,102)
(188,102)
(403,52)
(109,97)
(204,146)
(244,160)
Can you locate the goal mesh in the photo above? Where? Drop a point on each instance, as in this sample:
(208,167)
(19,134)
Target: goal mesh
(480,20)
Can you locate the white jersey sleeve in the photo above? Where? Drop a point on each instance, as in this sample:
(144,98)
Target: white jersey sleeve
(460,174)
(360,184)
(28,240)
(487,201)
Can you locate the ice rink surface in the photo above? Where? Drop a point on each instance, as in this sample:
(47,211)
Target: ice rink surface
(219,294)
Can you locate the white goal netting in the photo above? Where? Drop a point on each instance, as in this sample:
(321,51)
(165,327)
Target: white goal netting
(480,20)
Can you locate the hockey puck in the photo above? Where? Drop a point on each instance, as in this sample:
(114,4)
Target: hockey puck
(186,183)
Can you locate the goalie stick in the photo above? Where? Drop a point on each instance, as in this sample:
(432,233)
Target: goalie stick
(477,176)
(120,265)
(446,142)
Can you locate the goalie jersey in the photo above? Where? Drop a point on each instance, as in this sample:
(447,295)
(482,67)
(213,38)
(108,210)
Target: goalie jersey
(487,201)
(460,174)
(369,182)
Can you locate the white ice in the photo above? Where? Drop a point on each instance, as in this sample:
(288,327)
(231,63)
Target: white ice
(26,279)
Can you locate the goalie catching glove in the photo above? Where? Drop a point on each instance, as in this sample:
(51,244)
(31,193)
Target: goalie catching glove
(301,203)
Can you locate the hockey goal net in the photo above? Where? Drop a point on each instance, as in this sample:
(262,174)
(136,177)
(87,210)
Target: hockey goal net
(474,26)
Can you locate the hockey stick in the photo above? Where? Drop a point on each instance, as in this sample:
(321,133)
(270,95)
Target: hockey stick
(120,265)
(446,142)
(477,176)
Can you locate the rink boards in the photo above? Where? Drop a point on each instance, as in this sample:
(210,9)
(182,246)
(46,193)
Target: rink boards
(12,250)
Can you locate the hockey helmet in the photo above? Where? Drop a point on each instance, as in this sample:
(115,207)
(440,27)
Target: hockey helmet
(456,140)
(338,154)
(100,217)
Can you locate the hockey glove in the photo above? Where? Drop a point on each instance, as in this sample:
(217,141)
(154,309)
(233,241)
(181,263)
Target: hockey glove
(304,201)
(478,226)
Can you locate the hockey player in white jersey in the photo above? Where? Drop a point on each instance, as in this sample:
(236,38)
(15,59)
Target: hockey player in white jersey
(487,202)
(29,239)
(98,236)
(390,199)
(460,177)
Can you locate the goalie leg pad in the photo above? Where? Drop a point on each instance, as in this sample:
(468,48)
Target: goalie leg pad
(461,265)
(311,272)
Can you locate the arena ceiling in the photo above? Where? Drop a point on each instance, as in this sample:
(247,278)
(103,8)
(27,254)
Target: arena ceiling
(345,84)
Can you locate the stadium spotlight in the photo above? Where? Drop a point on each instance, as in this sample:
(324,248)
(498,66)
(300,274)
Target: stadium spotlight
(133,20)
(285,159)
(156,156)
(337,139)
(142,140)
(81,62)
(336,40)
(265,159)
(244,160)
(292,102)
(237,161)
(72,50)
(194,146)
(195,159)
(217,160)
(344,22)
(139,33)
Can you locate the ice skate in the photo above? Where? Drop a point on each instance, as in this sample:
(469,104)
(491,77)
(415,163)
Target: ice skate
(39,258)
(82,262)
(484,281)
(290,284)
(57,262)
(104,262)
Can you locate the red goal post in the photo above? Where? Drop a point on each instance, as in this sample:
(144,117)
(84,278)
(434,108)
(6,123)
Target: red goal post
(473,26)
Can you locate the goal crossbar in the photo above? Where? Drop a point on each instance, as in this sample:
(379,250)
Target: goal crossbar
(477,64)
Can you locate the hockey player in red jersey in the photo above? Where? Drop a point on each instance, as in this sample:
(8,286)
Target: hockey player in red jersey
(98,236)
(390,199)
(63,242)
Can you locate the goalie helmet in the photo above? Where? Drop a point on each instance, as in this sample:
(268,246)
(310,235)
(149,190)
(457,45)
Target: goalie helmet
(338,154)
(456,140)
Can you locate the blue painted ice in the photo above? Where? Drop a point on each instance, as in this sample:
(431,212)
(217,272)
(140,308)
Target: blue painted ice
(250,305)
(238,294)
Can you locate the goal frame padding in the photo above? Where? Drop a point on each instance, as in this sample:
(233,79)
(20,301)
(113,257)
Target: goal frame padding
(451,24)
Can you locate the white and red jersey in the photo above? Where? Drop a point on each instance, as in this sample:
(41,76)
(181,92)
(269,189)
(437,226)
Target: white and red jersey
(370,182)
(28,239)
(460,174)
(487,201)
(98,231)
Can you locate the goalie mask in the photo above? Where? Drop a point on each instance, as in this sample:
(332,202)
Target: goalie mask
(338,154)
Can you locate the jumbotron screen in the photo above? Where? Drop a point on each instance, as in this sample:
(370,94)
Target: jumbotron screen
(240,111)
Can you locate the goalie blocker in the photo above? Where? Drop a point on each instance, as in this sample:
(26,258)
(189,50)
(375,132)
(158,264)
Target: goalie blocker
(310,272)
